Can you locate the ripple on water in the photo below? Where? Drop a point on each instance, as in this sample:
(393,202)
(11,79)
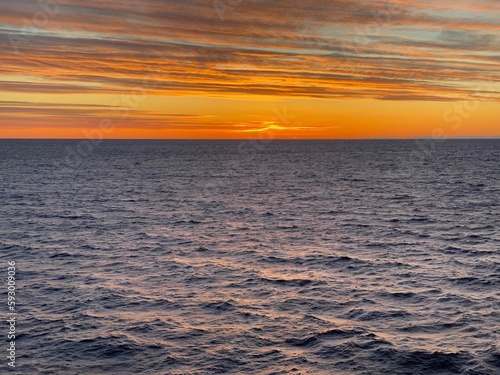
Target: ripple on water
(310,258)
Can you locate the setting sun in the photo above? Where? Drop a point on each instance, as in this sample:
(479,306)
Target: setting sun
(226,69)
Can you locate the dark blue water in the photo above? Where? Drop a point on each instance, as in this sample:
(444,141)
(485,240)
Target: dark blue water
(338,257)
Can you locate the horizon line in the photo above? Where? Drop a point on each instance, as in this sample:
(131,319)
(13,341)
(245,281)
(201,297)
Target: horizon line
(258,140)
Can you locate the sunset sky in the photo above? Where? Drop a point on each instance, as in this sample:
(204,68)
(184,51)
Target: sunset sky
(249,68)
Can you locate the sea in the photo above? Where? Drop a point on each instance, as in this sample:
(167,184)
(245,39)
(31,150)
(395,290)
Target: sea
(251,256)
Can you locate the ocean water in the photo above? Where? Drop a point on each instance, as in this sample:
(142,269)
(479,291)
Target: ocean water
(223,257)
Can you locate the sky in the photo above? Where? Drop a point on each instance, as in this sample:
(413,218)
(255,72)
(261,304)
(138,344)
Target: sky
(249,69)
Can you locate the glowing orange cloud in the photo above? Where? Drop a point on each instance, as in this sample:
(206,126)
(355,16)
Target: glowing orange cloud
(137,66)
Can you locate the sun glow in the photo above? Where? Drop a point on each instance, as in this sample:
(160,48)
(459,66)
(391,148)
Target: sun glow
(393,70)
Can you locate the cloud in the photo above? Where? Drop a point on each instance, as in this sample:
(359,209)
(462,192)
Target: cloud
(383,50)
(50,114)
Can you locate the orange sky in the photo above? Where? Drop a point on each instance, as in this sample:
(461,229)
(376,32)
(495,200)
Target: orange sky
(258,69)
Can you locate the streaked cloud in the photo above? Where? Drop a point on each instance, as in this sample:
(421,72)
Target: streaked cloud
(393,50)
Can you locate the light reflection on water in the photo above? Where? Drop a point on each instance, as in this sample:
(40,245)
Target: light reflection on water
(311,259)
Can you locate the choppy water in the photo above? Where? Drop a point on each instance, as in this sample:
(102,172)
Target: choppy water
(347,257)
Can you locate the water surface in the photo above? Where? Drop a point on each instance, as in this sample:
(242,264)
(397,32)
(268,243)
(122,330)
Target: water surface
(307,257)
